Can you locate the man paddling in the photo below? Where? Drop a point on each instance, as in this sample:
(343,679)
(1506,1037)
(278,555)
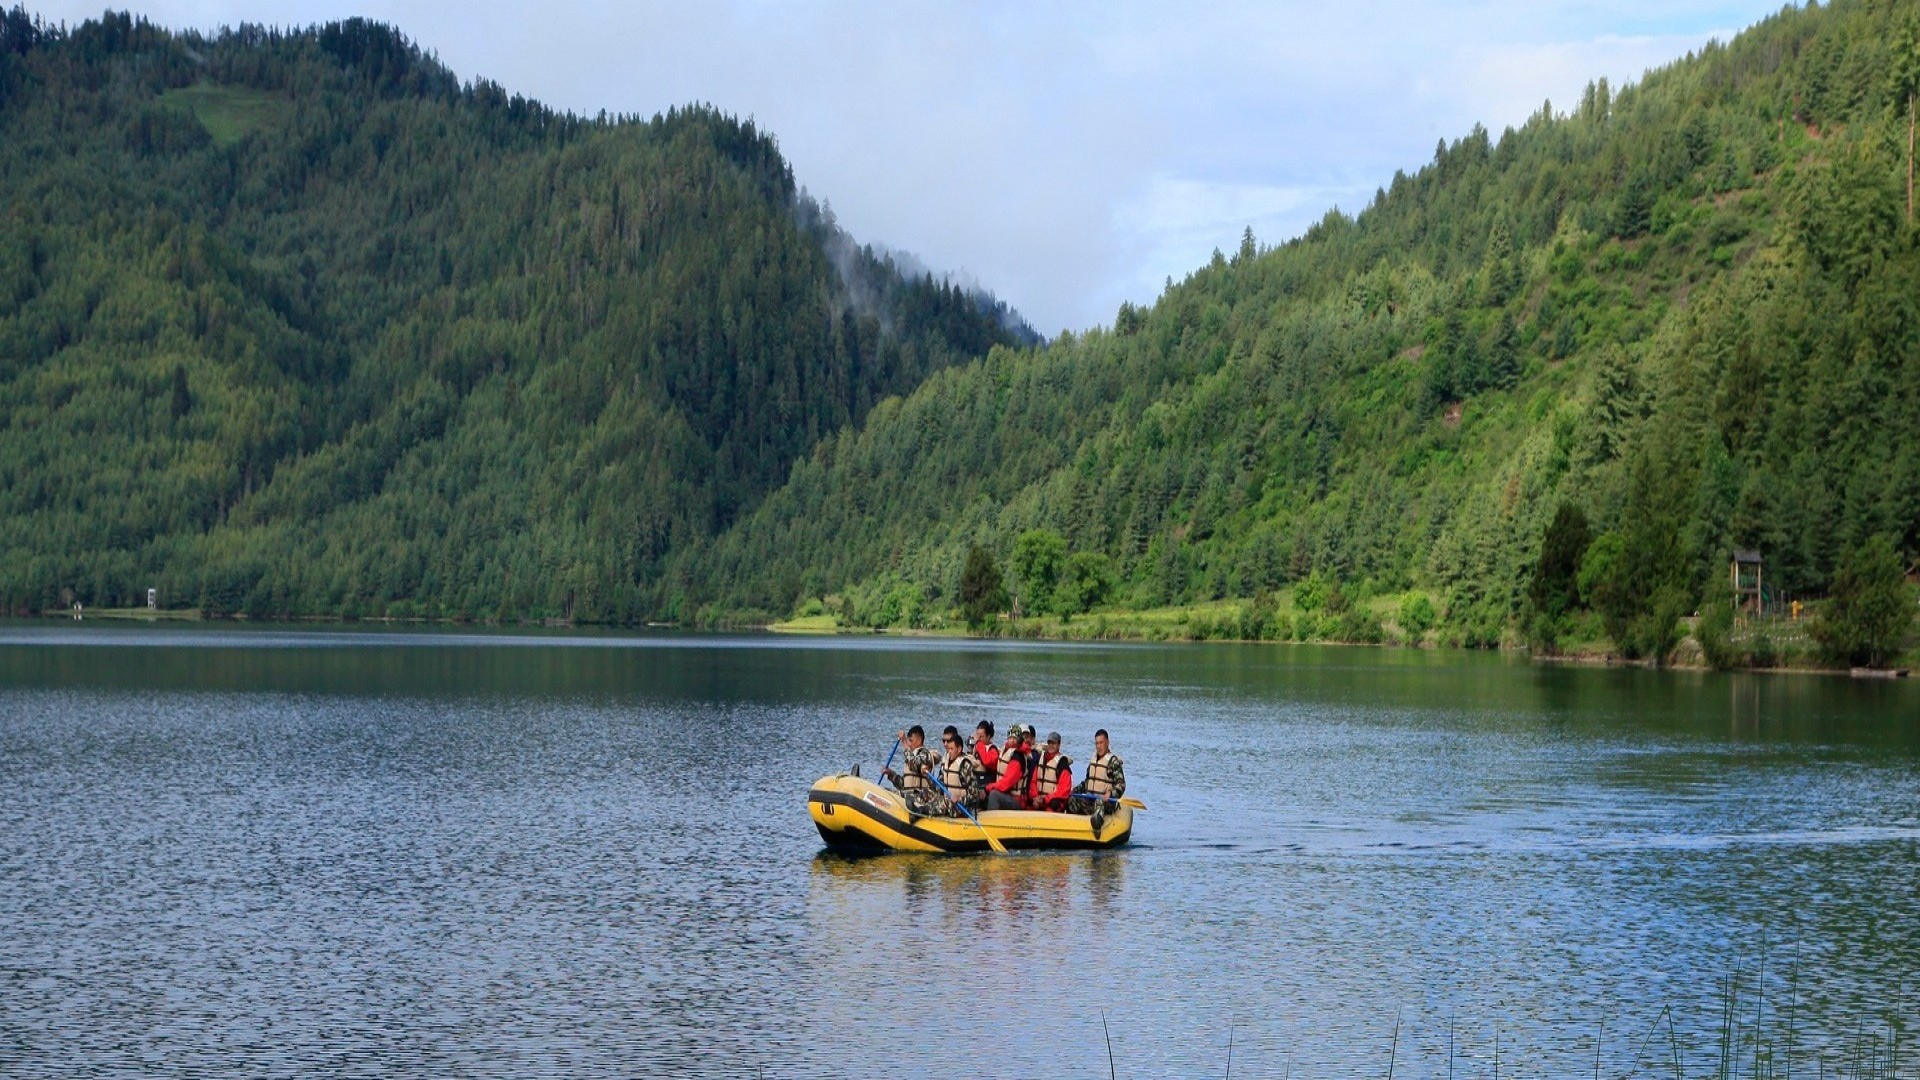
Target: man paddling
(961,775)
(916,764)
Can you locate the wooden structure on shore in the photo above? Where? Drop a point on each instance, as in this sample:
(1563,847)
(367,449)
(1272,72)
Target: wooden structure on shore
(1748,594)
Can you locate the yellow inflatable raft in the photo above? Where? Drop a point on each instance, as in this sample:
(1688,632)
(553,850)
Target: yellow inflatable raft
(856,815)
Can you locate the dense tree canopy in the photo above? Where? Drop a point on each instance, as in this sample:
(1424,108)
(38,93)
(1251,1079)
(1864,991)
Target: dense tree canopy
(298,323)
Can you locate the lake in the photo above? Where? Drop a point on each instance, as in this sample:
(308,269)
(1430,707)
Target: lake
(270,851)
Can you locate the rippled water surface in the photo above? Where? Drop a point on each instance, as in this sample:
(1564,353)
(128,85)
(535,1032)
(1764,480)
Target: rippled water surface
(243,851)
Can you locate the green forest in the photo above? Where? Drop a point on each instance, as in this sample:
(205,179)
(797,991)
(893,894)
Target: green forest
(294,323)
(297,324)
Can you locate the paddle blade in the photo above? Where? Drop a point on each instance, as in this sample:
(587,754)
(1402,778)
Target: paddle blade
(1128,800)
(994,841)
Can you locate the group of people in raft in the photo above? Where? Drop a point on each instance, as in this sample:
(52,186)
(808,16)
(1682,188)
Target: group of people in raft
(1018,776)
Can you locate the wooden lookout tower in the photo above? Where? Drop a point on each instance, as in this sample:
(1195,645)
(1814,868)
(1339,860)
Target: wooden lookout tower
(1747,593)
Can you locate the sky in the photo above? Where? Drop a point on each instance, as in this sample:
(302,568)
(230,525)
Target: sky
(1066,154)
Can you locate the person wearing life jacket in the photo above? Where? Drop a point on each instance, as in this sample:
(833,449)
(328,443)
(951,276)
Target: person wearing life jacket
(1106,776)
(1052,779)
(985,754)
(1029,761)
(1106,780)
(960,774)
(1008,791)
(917,762)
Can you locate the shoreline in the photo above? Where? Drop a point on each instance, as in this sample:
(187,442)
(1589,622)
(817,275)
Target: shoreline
(1594,657)
(1126,630)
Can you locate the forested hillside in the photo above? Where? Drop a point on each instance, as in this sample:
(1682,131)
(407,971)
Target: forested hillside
(297,323)
(1682,317)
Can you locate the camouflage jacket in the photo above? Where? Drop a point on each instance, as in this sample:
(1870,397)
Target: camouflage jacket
(972,788)
(918,762)
(1116,777)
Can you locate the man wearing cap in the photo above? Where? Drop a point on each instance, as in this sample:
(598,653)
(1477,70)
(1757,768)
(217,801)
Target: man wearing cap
(1052,778)
(1008,791)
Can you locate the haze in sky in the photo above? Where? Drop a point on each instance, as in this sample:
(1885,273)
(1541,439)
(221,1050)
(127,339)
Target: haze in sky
(1066,154)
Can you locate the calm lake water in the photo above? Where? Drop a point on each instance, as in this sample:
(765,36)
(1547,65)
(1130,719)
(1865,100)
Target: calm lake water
(274,852)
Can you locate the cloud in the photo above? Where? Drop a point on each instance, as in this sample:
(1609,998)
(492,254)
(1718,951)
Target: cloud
(1067,155)
(1173,225)
(1507,85)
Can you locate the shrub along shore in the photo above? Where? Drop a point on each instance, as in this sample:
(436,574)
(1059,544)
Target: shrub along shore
(1403,620)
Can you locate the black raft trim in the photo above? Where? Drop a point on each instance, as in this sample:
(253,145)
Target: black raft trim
(855,840)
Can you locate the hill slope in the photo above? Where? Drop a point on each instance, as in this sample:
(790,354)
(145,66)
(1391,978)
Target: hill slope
(296,323)
(1687,309)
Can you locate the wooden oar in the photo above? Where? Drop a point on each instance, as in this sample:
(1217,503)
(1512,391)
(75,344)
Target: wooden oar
(992,841)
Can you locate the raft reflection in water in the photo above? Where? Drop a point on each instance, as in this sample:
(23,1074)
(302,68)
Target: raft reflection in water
(856,815)
(1038,886)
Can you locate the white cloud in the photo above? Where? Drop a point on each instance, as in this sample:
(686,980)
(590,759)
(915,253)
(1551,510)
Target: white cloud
(1506,85)
(1173,225)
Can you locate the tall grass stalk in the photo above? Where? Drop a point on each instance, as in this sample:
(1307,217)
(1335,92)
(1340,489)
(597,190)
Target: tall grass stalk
(1394,1051)
(1112,1073)
(1793,1003)
(1598,1041)
(1759,1002)
(1732,1034)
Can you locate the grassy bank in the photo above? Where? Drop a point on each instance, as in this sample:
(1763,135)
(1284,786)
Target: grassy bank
(1401,620)
(136,614)
(1404,620)
(1397,619)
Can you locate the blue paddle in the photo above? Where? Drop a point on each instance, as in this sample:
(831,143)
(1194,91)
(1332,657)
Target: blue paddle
(1125,800)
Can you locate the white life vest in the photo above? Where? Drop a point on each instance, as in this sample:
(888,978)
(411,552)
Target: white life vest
(1099,780)
(1047,776)
(912,779)
(953,773)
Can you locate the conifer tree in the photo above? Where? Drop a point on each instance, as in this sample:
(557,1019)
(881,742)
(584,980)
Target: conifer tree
(981,594)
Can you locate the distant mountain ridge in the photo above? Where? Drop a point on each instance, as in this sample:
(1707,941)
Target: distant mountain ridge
(296,323)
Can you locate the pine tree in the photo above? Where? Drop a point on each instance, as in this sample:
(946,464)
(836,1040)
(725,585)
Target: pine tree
(1871,608)
(982,596)
(182,397)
